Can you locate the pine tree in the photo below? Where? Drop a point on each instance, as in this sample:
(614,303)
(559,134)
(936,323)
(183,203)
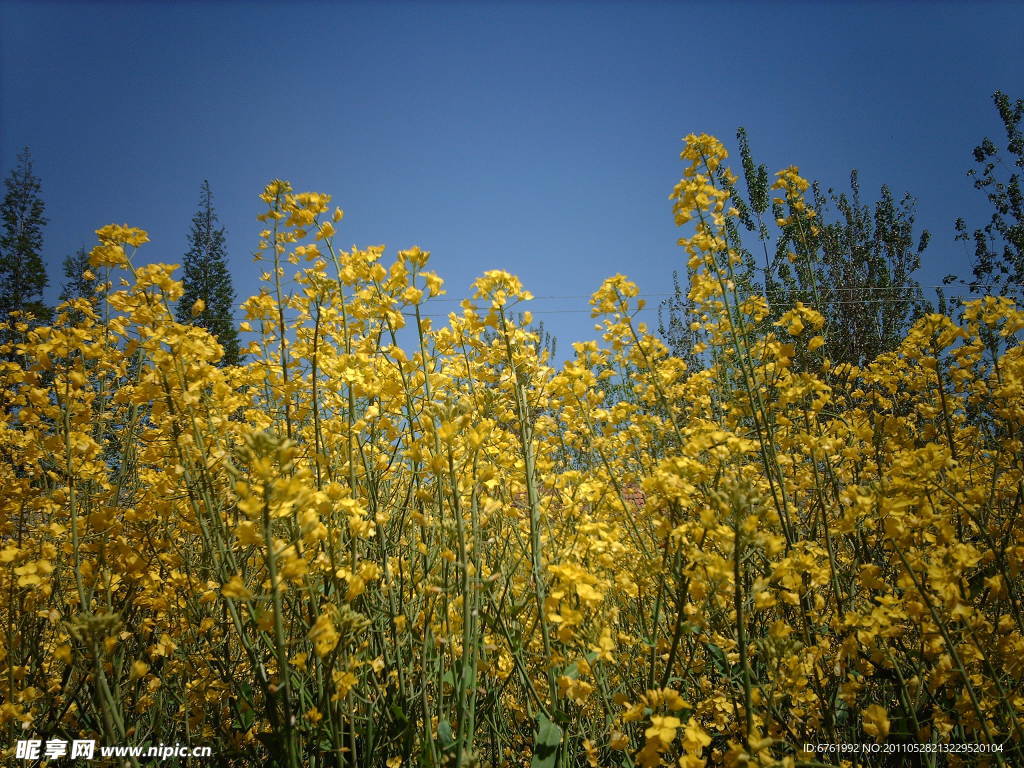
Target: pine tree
(207,280)
(22,274)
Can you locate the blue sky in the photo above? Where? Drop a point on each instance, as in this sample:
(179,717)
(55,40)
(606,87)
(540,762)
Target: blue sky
(538,138)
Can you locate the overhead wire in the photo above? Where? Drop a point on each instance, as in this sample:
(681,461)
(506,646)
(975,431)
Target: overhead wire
(908,290)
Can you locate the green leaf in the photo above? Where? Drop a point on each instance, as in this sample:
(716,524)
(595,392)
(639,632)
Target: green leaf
(445,735)
(398,715)
(718,659)
(545,748)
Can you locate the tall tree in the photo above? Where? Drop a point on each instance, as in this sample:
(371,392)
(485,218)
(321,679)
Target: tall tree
(855,264)
(999,245)
(209,298)
(22,274)
(857,270)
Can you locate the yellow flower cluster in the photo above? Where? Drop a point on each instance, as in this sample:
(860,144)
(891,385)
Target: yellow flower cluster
(379,542)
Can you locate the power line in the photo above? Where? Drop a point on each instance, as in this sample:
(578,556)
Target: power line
(522,307)
(834,289)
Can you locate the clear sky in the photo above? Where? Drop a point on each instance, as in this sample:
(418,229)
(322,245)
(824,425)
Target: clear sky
(541,138)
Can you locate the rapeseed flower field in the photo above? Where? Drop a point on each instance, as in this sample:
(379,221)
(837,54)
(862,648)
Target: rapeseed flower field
(390,541)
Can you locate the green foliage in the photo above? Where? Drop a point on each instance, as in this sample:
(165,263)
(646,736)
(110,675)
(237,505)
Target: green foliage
(207,279)
(858,271)
(22,273)
(545,748)
(79,281)
(852,261)
(674,323)
(999,245)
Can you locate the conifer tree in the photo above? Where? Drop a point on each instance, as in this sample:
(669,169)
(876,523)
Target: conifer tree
(208,299)
(22,273)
